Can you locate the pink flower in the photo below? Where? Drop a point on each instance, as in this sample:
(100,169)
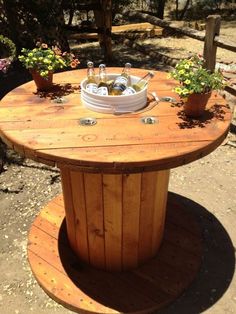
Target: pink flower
(4,64)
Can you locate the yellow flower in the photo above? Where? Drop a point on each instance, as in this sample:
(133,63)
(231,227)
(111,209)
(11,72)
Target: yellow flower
(185,91)
(47,61)
(187,82)
(181,72)
(178,90)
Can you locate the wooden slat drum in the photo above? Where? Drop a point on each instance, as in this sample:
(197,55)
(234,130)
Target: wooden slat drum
(115,222)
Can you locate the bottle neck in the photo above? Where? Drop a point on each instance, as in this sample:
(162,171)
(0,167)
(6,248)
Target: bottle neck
(146,78)
(102,76)
(91,75)
(143,81)
(126,70)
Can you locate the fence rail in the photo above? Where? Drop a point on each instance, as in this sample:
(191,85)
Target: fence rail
(199,35)
(210,37)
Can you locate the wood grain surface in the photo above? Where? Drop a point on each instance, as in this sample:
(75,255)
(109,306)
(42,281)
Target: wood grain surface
(85,289)
(115,222)
(38,128)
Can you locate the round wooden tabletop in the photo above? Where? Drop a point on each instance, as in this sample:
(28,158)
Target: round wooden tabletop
(39,127)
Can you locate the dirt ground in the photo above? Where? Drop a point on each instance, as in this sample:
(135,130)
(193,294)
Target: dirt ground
(207,185)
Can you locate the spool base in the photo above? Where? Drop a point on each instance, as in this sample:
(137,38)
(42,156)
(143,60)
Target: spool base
(85,289)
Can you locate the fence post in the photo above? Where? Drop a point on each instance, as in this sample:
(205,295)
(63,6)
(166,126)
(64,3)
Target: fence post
(212,30)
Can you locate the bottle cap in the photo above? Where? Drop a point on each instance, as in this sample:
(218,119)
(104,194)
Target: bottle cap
(128,65)
(89,64)
(151,73)
(102,66)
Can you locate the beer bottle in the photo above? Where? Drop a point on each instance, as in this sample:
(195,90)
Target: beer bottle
(102,85)
(136,87)
(121,81)
(92,85)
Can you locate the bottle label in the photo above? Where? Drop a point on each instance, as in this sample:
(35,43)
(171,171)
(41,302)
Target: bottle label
(129,91)
(103,91)
(121,80)
(92,88)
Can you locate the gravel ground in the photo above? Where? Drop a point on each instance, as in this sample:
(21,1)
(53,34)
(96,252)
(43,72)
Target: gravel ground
(182,46)
(209,183)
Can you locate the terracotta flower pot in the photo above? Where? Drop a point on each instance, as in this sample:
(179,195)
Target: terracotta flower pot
(195,105)
(42,84)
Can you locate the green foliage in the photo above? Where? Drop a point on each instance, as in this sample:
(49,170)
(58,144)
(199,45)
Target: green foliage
(45,60)
(7,47)
(194,78)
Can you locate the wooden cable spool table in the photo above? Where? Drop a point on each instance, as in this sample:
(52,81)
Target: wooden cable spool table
(114,178)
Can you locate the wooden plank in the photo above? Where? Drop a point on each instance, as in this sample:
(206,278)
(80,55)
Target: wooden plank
(160,151)
(111,132)
(53,213)
(165,277)
(78,194)
(43,244)
(182,238)
(148,187)
(132,27)
(62,289)
(94,212)
(160,209)
(170,256)
(112,198)
(158,161)
(130,219)
(69,207)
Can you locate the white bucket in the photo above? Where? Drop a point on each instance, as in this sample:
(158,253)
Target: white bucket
(114,104)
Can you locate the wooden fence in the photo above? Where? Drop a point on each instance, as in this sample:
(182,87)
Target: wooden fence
(210,36)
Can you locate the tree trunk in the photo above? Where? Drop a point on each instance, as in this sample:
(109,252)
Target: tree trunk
(176,9)
(103,19)
(161,9)
(184,9)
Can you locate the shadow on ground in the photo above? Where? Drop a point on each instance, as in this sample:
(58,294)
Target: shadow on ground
(211,282)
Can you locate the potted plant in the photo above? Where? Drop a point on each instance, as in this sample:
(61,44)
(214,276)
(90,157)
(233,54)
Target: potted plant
(196,84)
(42,61)
(7,53)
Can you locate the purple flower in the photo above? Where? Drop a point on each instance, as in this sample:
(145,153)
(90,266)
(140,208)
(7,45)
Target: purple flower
(4,64)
